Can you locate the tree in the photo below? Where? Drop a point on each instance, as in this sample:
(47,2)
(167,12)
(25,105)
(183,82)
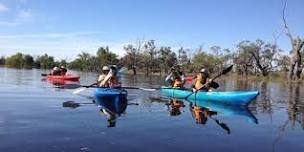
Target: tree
(295,67)
(150,50)
(15,61)
(202,59)
(243,58)
(132,57)
(28,61)
(283,63)
(167,58)
(2,60)
(44,62)
(106,57)
(264,55)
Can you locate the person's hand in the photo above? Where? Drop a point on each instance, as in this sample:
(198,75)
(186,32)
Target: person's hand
(194,90)
(210,80)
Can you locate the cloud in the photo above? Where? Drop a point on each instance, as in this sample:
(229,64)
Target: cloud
(3,8)
(21,17)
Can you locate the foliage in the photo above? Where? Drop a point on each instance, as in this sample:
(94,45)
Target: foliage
(19,60)
(2,60)
(105,57)
(45,62)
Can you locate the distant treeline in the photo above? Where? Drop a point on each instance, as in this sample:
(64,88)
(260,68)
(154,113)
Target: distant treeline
(249,57)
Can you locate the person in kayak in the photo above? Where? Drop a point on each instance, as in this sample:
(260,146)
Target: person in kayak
(111,79)
(105,72)
(63,70)
(202,82)
(55,71)
(174,79)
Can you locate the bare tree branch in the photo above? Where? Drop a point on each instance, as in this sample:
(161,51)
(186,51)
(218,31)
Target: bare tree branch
(288,33)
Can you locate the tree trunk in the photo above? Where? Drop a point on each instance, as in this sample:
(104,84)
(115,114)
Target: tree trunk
(134,70)
(295,69)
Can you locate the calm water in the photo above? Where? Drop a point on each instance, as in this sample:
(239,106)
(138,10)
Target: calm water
(32,118)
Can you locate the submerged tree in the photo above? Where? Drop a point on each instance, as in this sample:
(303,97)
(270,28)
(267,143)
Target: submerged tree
(132,57)
(295,67)
(167,58)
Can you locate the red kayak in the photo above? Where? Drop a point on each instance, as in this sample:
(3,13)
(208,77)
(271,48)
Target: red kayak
(68,77)
(188,79)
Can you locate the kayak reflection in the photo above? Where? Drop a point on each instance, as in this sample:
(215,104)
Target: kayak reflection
(175,106)
(226,110)
(201,115)
(202,111)
(112,107)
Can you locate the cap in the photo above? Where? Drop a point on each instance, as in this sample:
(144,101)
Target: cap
(105,68)
(203,70)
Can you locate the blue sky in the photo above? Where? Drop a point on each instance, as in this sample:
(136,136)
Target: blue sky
(64,28)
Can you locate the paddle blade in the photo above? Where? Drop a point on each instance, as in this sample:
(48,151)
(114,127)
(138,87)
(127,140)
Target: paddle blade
(43,74)
(70,104)
(71,86)
(227,69)
(146,89)
(79,90)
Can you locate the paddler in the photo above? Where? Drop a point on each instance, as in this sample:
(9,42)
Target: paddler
(181,73)
(174,78)
(105,72)
(111,79)
(55,71)
(202,82)
(63,70)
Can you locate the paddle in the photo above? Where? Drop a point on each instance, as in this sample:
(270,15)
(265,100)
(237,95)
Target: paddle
(73,104)
(44,74)
(80,88)
(83,87)
(223,125)
(225,71)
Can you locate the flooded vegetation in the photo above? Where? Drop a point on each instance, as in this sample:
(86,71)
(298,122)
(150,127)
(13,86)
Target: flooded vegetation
(35,116)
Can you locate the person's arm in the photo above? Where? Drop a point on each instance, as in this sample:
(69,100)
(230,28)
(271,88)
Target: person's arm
(182,78)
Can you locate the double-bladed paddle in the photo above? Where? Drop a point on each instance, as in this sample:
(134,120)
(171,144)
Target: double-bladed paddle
(83,87)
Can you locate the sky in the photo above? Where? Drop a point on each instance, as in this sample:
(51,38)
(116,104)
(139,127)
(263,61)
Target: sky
(64,28)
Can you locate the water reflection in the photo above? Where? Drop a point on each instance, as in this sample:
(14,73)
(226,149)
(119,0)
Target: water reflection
(295,106)
(112,108)
(175,106)
(202,111)
(201,115)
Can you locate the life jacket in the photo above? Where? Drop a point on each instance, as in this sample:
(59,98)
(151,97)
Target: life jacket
(114,82)
(200,81)
(177,83)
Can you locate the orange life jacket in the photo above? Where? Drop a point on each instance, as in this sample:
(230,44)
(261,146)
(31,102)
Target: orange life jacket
(200,81)
(114,82)
(177,83)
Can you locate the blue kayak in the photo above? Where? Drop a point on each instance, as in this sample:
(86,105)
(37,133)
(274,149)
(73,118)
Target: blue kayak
(226,110)
(242,98)
(106,95)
